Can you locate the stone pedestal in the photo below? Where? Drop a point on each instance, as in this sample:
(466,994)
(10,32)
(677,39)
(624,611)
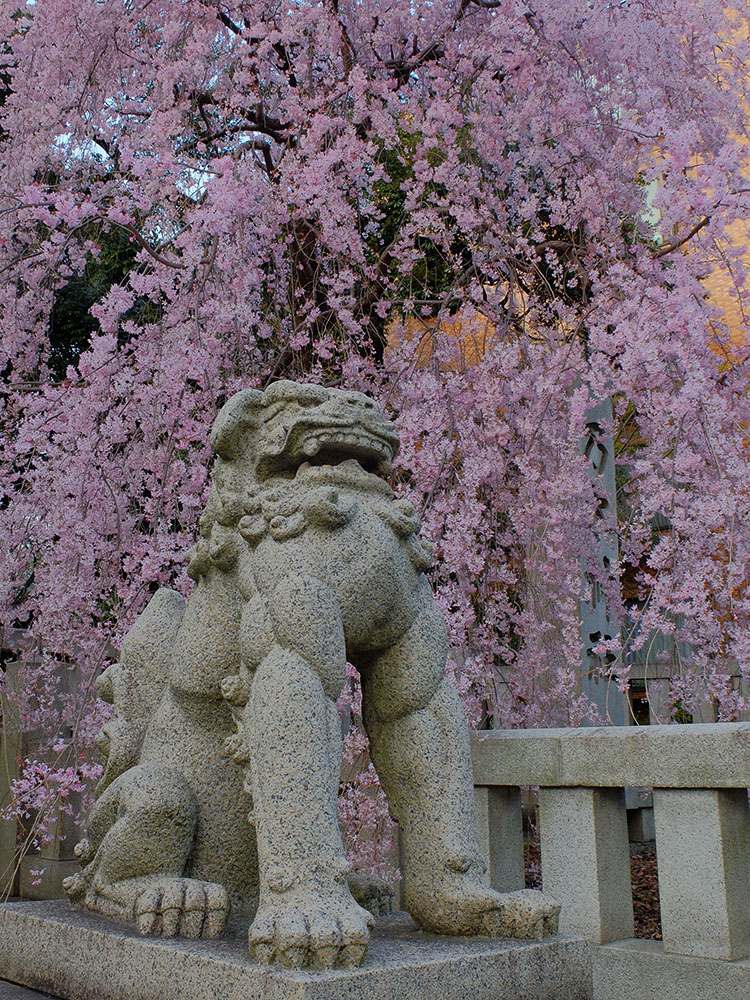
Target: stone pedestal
(77,956)
(637,970)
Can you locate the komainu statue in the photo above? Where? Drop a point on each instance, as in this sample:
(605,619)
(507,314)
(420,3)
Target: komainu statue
(306,559)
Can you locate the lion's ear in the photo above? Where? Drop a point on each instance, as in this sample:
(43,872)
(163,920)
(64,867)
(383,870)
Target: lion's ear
(236,416)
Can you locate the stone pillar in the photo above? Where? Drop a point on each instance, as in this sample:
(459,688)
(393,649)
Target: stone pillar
(41,874)
(703,851)
(7,826)
(500,829)
(639,803)
(586,860)
(597,621)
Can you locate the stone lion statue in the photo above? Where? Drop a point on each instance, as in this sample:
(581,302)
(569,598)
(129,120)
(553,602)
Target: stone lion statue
(306,559)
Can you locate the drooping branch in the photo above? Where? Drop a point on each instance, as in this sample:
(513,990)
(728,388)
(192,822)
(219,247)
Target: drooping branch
(130,228)
(260,146)
(676,244)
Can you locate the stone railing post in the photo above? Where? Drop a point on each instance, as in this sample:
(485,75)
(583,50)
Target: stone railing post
(7,826)
(500,828)
(703,844)
(586,860)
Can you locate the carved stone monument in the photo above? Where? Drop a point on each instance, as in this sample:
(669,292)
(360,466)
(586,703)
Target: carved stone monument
(306,559)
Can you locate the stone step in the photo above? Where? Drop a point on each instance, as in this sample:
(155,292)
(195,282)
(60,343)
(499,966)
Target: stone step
(636,970)
(9,991)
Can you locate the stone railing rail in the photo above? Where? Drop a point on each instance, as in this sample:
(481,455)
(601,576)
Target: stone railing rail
(700,775)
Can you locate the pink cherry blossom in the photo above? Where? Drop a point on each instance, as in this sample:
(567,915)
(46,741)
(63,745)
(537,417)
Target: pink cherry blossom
(523,200)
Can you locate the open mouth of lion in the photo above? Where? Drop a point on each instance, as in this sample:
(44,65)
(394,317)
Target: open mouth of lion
(332,446)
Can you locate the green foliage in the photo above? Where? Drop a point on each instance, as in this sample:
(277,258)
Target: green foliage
(71,324)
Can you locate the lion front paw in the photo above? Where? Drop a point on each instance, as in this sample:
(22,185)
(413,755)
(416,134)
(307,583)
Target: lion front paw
(525,915)
(304,928)
(181,907)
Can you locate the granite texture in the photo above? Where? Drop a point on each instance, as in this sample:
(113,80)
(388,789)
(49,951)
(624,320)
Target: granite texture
(642,970)
(586,860)
(77,956)
(500,824)
(306,560)
(704,890)
(691,756)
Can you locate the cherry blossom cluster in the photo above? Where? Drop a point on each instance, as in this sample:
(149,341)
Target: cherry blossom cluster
(489,214)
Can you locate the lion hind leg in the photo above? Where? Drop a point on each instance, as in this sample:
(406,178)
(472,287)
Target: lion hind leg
(141,833)
(419,742)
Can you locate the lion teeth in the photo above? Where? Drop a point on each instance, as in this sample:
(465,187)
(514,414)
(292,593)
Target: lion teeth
(345,439)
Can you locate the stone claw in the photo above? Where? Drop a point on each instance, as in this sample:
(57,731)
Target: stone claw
(83,850)
(372,893)
(299,929)
(183,907)
(525,915)
(75,886)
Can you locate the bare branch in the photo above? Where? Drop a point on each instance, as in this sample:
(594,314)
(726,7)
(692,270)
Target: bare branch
(130,228)
(262,147)
(671,247)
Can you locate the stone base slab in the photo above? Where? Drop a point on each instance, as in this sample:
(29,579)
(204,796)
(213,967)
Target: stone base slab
(636,970)
(75,955)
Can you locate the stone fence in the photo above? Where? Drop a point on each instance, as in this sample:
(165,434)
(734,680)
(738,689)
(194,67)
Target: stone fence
(700,775)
